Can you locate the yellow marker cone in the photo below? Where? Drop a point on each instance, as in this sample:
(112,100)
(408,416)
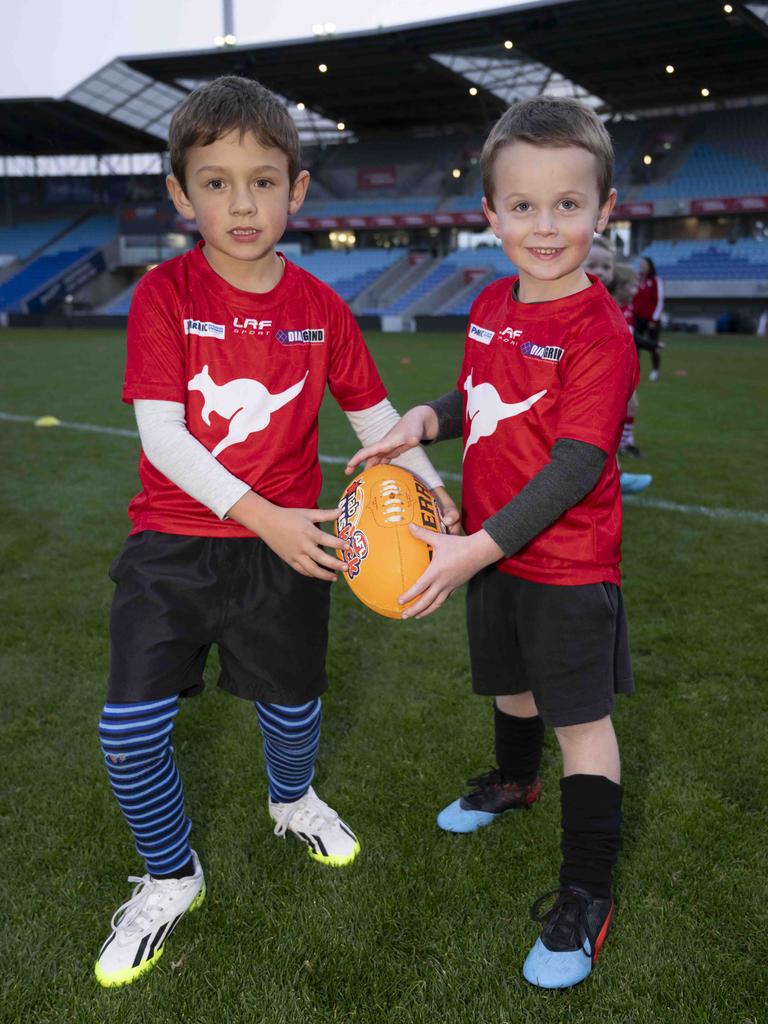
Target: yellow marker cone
(48,421)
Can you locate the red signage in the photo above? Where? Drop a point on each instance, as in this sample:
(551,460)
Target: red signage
(738,204)
(376,177)
(630,211)
(388,220)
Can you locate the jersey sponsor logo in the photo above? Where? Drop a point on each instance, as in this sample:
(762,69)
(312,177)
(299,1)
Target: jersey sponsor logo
(549,353)
(303,336)
(249,325)
(481,334)
(204,329)
(246,403)
(486,409)
(510,334)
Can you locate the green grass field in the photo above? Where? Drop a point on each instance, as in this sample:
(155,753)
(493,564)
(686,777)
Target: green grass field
(425,928)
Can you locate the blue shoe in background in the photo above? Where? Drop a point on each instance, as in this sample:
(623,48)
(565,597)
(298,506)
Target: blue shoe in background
(633,483)
(490,797)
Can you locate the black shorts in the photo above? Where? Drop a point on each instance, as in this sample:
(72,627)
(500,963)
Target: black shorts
(643,331)
(176,596)
(568,645)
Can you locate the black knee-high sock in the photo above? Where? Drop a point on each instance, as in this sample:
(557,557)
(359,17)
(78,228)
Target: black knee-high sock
(519,743)
(591,837)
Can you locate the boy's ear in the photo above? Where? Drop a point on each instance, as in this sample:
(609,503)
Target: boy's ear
(491,217)
(298,191)
(179,198)
(605,211)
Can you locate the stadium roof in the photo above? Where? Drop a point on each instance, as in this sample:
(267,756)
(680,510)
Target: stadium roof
(616,50)
(48,127)
(453,74)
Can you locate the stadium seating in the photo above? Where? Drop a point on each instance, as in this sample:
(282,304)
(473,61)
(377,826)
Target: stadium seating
(744,260)
(120,305)
(348,273)
(35,276)
(90,234)
(22,239)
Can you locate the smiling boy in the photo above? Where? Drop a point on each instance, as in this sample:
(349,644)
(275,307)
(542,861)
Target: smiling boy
(548,368)
(230,349)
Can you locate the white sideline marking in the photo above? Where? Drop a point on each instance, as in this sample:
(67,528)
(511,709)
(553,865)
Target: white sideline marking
(697,510)
(741,515)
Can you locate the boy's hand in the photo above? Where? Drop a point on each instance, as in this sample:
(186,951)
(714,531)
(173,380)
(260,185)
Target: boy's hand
(293,534)
(454,561)
(448,511)
(418,424)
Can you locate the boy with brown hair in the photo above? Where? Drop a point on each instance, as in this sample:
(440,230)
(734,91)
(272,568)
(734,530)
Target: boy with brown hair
(549,366)
(230,349)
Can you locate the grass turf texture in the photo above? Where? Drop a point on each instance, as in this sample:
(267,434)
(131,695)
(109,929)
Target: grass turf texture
(425,926)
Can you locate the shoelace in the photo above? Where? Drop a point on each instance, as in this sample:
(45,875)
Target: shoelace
(566,921)
(315,816)
(136,915)
(492,777)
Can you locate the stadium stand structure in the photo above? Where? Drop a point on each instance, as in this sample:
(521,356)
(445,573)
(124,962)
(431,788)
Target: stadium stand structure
(60,256)
(400,183)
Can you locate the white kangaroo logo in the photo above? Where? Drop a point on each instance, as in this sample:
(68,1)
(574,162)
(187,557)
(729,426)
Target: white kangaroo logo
(485,410)
(245,402)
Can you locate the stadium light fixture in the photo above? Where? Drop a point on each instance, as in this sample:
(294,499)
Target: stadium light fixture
(456,173)
(728,8)
(705,92)
(508,44)
(473,91)
(322,68)
(300,106)
(341,126)
(647,159)
(670,69)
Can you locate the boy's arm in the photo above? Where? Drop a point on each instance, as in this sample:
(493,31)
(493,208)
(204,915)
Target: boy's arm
(374,423)
(291,533)
(439,420)
(574,469)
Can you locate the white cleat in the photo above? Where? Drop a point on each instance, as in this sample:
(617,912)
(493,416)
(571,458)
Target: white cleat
(328,839)
(141,926)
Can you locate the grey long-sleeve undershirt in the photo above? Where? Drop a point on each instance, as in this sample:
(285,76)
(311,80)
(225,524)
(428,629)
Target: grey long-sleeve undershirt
(573,470)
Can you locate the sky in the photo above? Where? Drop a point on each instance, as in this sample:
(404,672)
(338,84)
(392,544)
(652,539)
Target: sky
(49,46)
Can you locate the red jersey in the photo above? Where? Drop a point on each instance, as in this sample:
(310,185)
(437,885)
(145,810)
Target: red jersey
(533,373)
(251,371)
(648,301)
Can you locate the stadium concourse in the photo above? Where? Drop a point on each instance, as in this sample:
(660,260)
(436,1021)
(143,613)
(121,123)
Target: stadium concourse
(392,123)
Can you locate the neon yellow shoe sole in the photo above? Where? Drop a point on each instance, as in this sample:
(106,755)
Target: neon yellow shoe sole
(130,974)
(335,861)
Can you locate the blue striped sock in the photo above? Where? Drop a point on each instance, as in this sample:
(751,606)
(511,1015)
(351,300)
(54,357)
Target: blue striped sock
(136,741)
(291,738)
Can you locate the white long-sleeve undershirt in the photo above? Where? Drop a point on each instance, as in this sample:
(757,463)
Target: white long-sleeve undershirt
(170,447)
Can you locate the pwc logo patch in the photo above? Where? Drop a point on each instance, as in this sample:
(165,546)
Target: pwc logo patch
(481,334)
(204,329)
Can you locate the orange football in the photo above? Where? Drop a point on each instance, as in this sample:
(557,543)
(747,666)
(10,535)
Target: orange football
(385,559)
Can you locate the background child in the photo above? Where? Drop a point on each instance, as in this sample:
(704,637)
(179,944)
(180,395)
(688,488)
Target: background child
(540,401)
(230,349)
(647,307)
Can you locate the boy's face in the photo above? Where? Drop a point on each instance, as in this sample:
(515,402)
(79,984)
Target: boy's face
(600,262)
(547,209)
(239,193)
